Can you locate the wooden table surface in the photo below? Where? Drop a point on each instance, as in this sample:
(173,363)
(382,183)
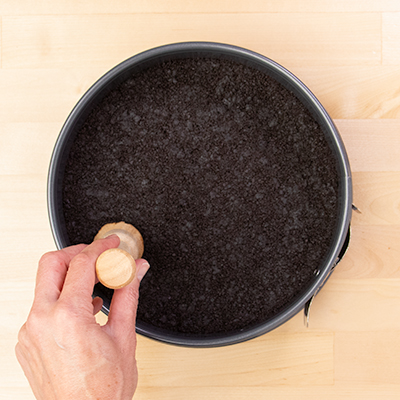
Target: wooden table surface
(348,53)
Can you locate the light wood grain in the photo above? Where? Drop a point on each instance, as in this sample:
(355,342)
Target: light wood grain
(16,145)
(354,92)
(297,359)
(316,39)
(367,357)
(390,38)
(23,211)
(374,253)
(24,7)
(371,144)
(347,53)
(345,392)
(377,195)
(31,93)
(358,305)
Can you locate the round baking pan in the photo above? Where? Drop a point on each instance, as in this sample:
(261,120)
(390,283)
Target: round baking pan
(141,62)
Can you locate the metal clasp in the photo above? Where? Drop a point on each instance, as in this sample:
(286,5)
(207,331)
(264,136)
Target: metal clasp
(342,252)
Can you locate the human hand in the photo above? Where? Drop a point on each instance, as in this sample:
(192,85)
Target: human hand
(64,352)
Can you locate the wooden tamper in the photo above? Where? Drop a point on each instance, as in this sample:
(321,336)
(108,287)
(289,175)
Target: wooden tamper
(116,267)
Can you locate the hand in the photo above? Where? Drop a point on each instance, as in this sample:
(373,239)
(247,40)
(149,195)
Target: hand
(63,351)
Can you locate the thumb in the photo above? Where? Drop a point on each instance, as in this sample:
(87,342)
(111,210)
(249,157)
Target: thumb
(123,308)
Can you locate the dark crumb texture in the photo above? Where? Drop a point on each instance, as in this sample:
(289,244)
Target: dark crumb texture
(227,176)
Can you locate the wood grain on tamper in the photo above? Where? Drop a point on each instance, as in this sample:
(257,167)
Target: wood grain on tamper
(116,267)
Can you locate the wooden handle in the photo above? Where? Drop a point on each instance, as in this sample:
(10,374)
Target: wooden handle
(116,268)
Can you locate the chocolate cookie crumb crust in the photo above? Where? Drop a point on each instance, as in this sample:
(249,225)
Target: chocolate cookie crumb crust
(228,177)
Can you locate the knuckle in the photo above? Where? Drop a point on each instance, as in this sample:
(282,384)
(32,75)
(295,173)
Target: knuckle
(22,334)
(62,318)
(67,314)
(62,313)
(18,351)
(34,322)
(81,259)
(48,257)
(21,353)
(32,328)
(49,261)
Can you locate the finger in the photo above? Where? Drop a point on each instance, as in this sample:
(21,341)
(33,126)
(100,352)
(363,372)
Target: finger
(122,315)
(142,266)
(22,334)
(53,267)
(22,358)
(22,350)
(81,275)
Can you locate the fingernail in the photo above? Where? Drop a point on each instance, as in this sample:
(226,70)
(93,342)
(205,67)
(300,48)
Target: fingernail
(112,236)
(141,272)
